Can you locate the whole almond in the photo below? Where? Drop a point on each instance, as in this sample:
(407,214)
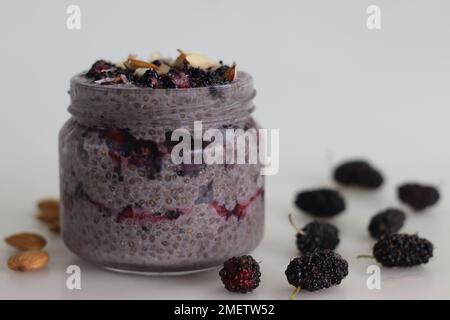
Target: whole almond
(54,226)
(48,205)
(28,261)
(48,210)
(48,216)
(26,241)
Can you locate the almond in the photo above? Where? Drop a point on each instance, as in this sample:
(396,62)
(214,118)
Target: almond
(28,261)
(164,68)
(140,71)
(121,65)
(54,226)
(155,56)
(48,205)
(135,63)
(48,216)
(199,61)
(49,210)
(181,59)
(26,241)
(195,60)
(231,73)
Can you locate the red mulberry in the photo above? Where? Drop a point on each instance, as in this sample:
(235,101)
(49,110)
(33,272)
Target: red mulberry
(240,274)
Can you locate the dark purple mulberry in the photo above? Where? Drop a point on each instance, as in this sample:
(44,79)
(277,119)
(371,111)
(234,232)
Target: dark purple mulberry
(320,202)
(358,173)
(418,196)
(317,270)
(100,69)
(150,78)
(386,222)
(317,236)
(240,274)
(402,250)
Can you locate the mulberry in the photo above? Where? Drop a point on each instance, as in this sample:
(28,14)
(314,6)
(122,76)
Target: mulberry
(240,274)
(402,250)
(358,173)
(317,270)
(386,222)
(100,69)
(418,196)
(316,235)
(320,202)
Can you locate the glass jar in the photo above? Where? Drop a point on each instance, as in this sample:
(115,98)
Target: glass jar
(126,206)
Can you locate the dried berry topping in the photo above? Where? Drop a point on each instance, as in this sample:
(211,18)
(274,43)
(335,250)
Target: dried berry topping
(358,173)
(418,196)
(178,79)
(240,274)
(402,250)
(317,236)
(317,270)
(386,222)
(320,202)
(149,78)
(100,69)
(189,70)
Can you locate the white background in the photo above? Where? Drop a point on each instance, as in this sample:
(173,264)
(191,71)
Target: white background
(334,89)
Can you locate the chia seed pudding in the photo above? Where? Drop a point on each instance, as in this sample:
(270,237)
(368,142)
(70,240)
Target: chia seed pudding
(125,205)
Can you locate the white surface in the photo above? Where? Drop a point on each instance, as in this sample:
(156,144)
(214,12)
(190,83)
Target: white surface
(334,88)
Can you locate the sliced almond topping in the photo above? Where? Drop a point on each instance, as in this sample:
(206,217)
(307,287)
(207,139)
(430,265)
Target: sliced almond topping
(121,65)
(181,59)
(199,61)
(28,261)
(195,60)
(231,73)
(26,241)
(135,63)
(140,71)
(164,68)
(155,56)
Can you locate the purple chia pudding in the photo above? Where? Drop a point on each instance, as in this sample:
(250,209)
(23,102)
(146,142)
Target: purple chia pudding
(127,207)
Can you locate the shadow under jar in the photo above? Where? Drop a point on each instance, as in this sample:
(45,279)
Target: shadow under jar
(126,206)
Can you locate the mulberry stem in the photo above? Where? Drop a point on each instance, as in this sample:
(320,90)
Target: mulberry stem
(294,293)
(294,226)
(365,256)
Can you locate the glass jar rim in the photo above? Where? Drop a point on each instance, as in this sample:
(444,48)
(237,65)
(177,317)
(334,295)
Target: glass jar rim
(120,104)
